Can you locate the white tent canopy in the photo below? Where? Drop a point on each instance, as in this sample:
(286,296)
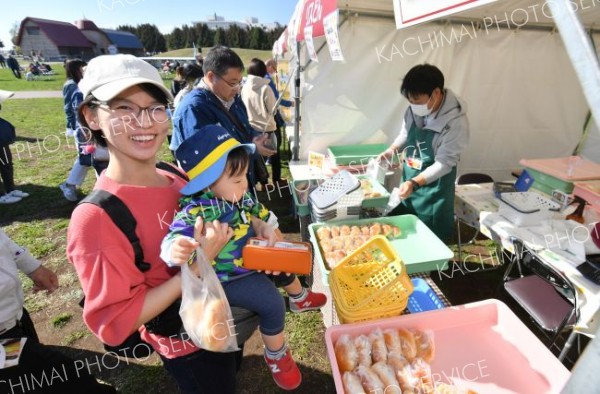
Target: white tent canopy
(504,59)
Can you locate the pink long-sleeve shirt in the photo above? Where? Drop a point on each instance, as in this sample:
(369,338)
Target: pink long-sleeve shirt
(114,288)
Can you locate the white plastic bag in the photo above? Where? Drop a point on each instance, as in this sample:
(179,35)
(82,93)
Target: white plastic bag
(205,311)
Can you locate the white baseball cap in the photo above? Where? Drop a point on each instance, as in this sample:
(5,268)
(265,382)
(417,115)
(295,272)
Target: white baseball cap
(4,94)
(108,75)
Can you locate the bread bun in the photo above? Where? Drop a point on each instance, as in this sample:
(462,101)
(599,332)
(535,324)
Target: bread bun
(210,323)
(408,344)
(425,345)
(345,353)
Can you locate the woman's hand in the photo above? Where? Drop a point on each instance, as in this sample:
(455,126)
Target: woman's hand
(212,236)
(182,249)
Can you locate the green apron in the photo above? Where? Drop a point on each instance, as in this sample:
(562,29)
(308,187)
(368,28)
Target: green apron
(432,203)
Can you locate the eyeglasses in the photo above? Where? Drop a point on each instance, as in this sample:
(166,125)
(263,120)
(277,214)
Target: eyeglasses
(233,85)
(158,113)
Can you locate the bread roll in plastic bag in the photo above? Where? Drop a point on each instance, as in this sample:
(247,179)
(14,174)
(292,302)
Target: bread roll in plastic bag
(205,311)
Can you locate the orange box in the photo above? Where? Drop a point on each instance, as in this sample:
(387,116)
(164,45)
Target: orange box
(293,257)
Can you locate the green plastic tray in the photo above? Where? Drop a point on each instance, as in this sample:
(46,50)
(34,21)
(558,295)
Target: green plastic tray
(548,183)
(344,155)
(377,202)
(419,248)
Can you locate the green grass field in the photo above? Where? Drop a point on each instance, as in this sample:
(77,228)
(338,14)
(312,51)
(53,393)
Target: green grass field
(244,54)
(55,82)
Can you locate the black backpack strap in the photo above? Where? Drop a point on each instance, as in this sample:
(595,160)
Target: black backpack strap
(161,165)
(123,219)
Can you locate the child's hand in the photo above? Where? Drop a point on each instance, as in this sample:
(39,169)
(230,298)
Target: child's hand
(44,279)
(213,236)
(182,250)
(265,231)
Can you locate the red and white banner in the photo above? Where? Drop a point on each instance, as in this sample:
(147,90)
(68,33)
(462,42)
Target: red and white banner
(280,47)
(412,12)
(313,12)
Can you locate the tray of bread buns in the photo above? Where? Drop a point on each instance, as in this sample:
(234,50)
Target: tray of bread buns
(480,347)
(415,243)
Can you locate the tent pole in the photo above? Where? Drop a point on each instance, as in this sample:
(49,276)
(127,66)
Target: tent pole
(581,53)
(296,148)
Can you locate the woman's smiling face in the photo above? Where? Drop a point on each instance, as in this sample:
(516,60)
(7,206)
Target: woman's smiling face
(133,123)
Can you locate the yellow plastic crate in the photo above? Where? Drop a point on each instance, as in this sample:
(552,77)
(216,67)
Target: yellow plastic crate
(371,282)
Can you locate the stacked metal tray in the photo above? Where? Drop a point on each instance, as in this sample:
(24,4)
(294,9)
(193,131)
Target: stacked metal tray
(339,197)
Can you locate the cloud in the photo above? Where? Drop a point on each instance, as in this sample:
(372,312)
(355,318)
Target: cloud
(166,29)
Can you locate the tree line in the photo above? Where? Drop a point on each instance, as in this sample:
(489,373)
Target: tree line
(200,35)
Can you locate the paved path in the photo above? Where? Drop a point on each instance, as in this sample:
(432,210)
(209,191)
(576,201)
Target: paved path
(28,94)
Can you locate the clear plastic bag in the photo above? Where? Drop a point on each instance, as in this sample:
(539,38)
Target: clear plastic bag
(205,311)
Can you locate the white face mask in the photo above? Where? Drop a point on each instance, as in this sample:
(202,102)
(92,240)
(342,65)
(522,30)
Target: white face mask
(421,109)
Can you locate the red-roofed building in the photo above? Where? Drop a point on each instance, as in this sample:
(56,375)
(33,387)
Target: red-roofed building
(55,40)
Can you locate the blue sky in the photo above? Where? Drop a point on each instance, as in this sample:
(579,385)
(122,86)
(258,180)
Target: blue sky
(165,14)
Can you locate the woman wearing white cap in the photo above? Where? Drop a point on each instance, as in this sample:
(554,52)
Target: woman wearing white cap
(10,195)
(125,107)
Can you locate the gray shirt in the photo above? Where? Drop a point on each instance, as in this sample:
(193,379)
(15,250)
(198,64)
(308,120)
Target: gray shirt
(451,128)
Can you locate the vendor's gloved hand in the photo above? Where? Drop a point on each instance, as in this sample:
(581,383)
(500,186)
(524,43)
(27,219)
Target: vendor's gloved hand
(406,189)
(386,155)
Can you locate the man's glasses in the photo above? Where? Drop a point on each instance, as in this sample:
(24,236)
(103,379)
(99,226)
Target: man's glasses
(158,113)
(233,85)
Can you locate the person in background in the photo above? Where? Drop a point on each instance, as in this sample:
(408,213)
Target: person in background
(260,104)
(14,66)
(279,122)
(178,81)
(71,99)
(434,132)
(2,61)
(9,195)
(116,89)
(36,360)
(217,101)
(190,73)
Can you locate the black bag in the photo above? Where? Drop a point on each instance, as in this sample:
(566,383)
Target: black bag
(167,323)
(7,133)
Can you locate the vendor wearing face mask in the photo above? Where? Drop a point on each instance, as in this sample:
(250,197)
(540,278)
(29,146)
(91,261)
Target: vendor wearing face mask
(434,133)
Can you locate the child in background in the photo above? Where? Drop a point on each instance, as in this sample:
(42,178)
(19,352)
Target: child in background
(9,195)
(217,191)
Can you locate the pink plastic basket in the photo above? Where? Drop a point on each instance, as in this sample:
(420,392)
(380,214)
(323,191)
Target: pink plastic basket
(482,346)
(590,192)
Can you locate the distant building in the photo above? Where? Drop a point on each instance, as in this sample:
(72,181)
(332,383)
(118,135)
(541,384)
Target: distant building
(216,21)
(55,40)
